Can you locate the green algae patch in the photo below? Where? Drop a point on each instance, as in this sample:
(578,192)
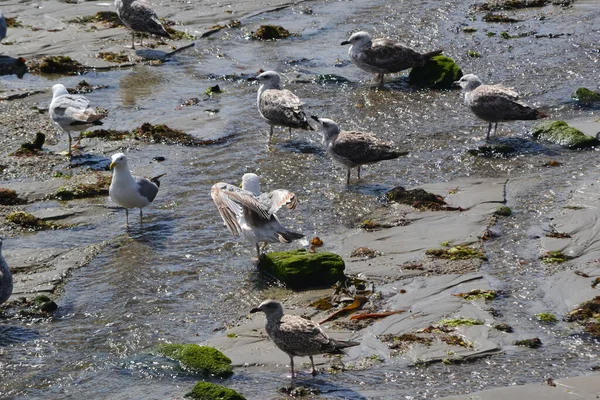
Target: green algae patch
(417,198)
(586,311)
(112,57)
(212,391)
(9,197)
(496,150)
(440,72)
(554,257)
(30,221)
(456,253)
(497,5)
(85,190)
(163,134)
(108,18)
(56,65)
(561,133)
(299,269)
(270,32)
(585,95)
(478,294)
(546,317)
(460,322)
(203,360)
(498,18)
(502,327)
(106,134)
(455,340)
(533,343)
(503,211)
(44,304)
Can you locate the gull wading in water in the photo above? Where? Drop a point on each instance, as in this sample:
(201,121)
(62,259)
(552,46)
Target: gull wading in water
(6,281)
(279,107)
(130,191)
(249,212)
(383,56)
(352,148)
(72,112)
(138,16)
(297,336)
(2,27)
(495,103)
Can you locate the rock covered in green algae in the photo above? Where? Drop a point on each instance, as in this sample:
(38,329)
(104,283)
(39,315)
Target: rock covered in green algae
(561,133)
(440,72)
(585,95)
(211,391)
(270,32)
(203,360)
(299,269)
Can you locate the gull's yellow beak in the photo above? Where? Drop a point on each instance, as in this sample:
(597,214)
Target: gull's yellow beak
(111,166)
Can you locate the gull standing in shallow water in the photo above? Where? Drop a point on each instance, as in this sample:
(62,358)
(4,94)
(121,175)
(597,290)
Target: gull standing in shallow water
(279,107)
(249,212)
(130,191)
(352,148)
(383,56)
(2,27)
(139,17)
(72,112)
(495,103)
(6,281)
(297,336)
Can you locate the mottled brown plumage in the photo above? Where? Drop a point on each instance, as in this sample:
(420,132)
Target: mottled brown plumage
(138,16)
(353,148)
(383,56)
(495,103)
(297,336)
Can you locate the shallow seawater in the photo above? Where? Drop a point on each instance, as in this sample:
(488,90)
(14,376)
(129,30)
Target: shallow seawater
(182,277)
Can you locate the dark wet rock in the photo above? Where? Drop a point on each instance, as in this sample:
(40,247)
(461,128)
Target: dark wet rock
(498,18)
(585,95)
(503,328)
(299,391)
(203,360)
(440,72)
(561,133)
(299,269)
(531,343)
(31,149)
(9,197)
(330,78)
(364,252)
(494,150)
(413,197)
(497,5)
(213,90)
(44,304)
(503,211)
(85,190)
(30,221)
(270,32)
(212,391)
(56,65)
(165,135)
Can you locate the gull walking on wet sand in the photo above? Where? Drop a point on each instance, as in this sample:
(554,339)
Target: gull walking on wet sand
(383,56)
(297,336)
(138,16)
(72,112)
(6,281)
(352,148)
(495,103)
(2,27)
(279,107)
(130,191)
(249,212)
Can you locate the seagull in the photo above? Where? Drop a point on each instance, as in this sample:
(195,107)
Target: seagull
(495,103)
(139,17)
(2,27)
(383,56)
(279,107)
(297,336)
(352,148)
(71,112)
(6,281)
(130,191)
(249,212)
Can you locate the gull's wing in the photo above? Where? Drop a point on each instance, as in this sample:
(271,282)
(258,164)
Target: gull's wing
(231,200)
(282,107)
(74,108)
(278,198)
(392,56)
(307,334)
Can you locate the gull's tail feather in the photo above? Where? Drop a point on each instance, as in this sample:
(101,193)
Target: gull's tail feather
(156,180)
(289,236)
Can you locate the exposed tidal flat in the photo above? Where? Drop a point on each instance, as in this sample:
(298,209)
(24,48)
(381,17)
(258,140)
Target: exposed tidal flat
(468,285)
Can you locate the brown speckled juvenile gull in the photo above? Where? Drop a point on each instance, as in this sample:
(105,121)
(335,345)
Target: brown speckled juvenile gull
(6,281)
(352,148)
(138,16)
(297,336)
(247,212)
(383,56)
(495,103)
(130,191)
(279,107)
(72,112)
